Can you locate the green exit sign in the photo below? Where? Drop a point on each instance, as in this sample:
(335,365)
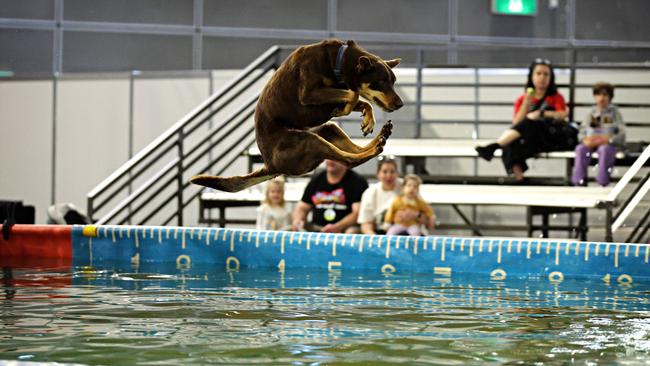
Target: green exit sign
(514,7)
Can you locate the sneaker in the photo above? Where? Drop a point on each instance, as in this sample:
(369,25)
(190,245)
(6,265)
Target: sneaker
(485,152)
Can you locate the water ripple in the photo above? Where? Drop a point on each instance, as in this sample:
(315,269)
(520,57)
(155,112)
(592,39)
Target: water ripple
(202,316)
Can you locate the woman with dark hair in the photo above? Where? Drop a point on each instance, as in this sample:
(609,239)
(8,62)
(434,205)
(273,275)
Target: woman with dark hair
(539,123)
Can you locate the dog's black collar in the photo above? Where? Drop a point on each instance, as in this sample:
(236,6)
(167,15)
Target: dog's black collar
(338,72)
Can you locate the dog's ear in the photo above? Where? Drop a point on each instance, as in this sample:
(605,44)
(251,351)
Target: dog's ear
(351,43)
(364,64)
(392,63)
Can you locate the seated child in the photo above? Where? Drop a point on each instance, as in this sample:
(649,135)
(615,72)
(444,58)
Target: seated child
(272,215)
(603,131)
(409,199)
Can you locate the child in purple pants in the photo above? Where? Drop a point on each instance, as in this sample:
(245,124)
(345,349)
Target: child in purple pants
(602,131)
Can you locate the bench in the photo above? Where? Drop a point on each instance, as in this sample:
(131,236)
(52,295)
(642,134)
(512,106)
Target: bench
(538,200)
(414,153)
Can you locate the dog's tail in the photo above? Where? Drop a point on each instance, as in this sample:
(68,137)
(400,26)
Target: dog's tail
(233,184)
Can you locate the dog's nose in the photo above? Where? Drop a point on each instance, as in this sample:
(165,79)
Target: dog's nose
(398,104)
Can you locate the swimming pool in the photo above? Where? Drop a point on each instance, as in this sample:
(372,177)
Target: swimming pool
(163,315)
(132,309)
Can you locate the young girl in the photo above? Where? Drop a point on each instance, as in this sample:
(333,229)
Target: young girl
(272,215)
(409,200)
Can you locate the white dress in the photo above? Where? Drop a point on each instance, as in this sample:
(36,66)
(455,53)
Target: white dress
(272,217)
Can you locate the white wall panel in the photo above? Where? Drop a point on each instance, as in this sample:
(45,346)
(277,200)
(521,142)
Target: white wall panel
(26,148)
(92,135)
(159,103)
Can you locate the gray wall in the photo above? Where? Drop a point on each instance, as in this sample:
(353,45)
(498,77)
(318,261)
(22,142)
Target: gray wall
(45,36)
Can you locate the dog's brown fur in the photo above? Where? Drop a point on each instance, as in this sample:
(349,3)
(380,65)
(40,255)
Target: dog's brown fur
(292,114)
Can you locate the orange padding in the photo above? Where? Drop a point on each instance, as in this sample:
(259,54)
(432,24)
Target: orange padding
(33,242)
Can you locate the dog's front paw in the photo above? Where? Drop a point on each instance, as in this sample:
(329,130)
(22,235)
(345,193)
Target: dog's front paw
(368,119)
(367,123)
(368,127)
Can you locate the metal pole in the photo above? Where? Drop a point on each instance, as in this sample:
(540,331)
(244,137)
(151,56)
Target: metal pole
(475,131)
(131,128)
(55,83)
(572,82)
(131,112)
(477,99)
(608,223)
(332,9)
(418,93)
(211,122)
(452,19)
(57,60)
(179,178)
(210,127)
(470,223)
(197,36)
(57,56)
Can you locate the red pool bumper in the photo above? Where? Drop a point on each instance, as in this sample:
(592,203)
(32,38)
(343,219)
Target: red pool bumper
(27,244)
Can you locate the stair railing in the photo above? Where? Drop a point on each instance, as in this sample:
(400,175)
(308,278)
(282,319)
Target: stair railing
(634,198)
(143,188)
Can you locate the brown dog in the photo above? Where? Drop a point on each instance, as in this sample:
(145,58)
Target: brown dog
(315,83)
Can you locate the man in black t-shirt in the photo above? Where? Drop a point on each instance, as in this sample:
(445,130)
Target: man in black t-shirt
(334,197)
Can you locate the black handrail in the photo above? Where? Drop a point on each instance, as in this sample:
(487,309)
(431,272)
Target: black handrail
(184,151)
(129,199)
(643,223)
(232,160)
(631,196)
(167,135)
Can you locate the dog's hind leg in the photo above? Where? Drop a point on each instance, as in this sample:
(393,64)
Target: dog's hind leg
(331,132)
(234,184)
(309,149)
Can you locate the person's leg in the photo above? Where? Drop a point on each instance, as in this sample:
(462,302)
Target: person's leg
(354,229)
(606,159)
(514,159)
(507,137)
(414,230)
(580,165)
(395,229)
(528,145)
(518,172)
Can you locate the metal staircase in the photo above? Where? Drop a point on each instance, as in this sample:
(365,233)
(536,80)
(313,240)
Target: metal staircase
(152,187)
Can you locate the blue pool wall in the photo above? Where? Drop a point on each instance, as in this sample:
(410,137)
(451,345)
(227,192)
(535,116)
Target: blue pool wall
(234,249)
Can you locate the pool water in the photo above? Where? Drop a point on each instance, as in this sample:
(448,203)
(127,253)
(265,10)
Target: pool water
(164,315)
